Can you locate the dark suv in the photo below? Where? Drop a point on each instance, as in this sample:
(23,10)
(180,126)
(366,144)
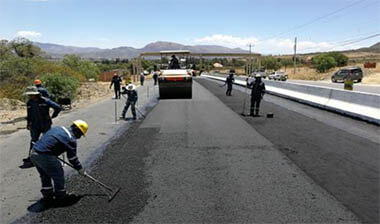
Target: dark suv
(354,74)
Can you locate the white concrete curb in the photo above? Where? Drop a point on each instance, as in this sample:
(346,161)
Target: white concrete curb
(360,105)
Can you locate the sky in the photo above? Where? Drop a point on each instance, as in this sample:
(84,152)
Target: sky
(270,26)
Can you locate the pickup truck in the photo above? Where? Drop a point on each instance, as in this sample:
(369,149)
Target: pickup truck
(280,76)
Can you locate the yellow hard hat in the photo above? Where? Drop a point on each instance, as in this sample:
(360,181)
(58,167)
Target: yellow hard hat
(82,125)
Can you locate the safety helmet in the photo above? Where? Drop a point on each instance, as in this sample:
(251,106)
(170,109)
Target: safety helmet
(82,126)
(258,76)
(32,90)
(131,87)
(37,82)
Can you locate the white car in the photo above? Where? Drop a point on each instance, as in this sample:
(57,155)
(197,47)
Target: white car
(280,76)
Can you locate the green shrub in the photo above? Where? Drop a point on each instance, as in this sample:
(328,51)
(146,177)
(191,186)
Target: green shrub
(60,86)
(323,62)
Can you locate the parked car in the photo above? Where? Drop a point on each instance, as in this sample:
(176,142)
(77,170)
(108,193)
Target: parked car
(353,73)
(280,76)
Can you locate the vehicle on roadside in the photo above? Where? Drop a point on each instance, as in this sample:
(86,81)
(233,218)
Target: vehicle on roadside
(352,73)
(280,76)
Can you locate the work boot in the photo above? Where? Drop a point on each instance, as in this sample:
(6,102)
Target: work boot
(134,118)
(66,200)
(47,201)
(27,164)
(122,118)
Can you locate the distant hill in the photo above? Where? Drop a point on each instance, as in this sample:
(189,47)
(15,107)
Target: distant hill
(374,48)
(57,51)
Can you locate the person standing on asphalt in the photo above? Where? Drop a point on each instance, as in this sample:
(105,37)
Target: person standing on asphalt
(131,101)
(116,81)
(258,91)
(155,77)
(38,118)
(41,89)
(229,82)
(142,78)
(44,155)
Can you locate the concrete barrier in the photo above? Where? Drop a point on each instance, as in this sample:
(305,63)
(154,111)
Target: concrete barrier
(360,105)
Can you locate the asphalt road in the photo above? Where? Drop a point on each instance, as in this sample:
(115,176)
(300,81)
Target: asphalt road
(339,153)
(366,88)
(198,161)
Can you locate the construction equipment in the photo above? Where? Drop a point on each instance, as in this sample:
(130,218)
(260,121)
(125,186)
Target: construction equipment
(113,192)
(176,81)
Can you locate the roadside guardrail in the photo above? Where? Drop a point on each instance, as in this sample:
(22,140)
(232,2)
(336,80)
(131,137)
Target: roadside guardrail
(364,106)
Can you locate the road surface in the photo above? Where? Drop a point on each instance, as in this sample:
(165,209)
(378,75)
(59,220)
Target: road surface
(199,161)
(366,88)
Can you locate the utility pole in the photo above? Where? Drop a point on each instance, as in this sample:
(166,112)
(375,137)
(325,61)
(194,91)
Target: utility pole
(249,67)
(295,55)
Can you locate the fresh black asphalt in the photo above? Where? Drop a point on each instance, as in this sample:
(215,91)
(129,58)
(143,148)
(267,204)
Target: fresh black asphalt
(344,164)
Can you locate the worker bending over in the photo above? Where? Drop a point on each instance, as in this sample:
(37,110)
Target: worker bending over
(44,155)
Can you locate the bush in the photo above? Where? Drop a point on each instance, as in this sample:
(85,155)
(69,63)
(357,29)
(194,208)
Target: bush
(340,58)
(323,62)
(85,67)
(60,86)
(270,63)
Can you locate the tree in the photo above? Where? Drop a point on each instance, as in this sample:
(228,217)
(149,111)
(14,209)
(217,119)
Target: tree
(85,67)
(340,58)
(323,62)
(270,63)
(25,48)
(286,62)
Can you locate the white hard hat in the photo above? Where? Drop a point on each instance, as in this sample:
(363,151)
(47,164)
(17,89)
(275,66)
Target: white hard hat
(131,87)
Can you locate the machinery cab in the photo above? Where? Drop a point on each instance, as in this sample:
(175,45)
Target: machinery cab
(175,80)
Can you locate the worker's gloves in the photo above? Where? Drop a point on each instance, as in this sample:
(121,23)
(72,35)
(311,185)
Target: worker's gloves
(82,172)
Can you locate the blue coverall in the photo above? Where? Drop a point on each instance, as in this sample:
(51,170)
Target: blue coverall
(131,101)
(44,156)
(43,91)
(38,117)
(258,91)
(229,81)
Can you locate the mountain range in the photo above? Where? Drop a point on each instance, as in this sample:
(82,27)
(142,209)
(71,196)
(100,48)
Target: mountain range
(58,51)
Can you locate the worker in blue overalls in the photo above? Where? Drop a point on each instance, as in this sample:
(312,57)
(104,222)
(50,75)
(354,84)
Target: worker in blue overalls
(131,101)
(41,89)
(229,82)
(44,155)
(38,118)
(258,91)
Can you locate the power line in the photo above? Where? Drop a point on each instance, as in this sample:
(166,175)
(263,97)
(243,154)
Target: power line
(315,20)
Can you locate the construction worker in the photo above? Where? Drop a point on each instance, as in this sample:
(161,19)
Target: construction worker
(38,118)
(41,89)
(44,155)
(131,101)
(155,77)
(142,78)
(174,64)
(229,82)
(116,81)
(258,91)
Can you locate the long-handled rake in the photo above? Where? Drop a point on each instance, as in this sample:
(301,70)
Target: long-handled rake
(245,99)
(112,191)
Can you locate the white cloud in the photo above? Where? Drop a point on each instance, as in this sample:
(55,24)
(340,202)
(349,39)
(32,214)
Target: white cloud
(271,46)
(29,34)
(227,40)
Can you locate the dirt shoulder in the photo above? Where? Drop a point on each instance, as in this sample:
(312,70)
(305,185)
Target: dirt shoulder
(13,112)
